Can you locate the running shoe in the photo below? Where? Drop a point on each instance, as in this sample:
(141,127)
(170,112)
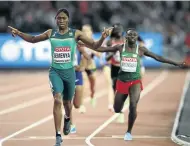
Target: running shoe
(128,136)
(67,126)
(93,102)
(58,141)
(82,109)
(73,129)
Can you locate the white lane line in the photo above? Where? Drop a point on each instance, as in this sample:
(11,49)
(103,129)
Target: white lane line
(174,138)
(26,104)
(29,138)
(158,80)
(142,137)
(44,120)
(22,92)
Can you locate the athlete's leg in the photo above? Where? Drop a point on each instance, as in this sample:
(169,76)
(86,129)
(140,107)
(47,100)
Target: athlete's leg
(77,100)
(134,93)
(68,94)
(78,96)
(56,85)
(114,75)
(92,80)
(119,101)
(79,93)
(107,72)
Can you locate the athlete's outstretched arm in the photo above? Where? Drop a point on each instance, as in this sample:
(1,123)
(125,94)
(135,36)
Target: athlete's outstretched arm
(141,42)
(148,53)
(29,38)
(109,49)
(79,35)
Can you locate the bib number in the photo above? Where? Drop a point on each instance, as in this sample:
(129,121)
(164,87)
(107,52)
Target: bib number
(62,55)
(129,64)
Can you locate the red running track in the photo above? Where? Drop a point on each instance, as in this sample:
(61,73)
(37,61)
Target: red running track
(26,112)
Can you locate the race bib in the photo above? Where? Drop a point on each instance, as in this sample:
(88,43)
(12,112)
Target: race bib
(116,56)
(129,64)
(62,55)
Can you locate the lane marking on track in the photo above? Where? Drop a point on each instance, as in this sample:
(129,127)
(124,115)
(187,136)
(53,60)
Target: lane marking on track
(26,104)
(174,137)
(17,94)
(29,138)
(100,94)
(157,81)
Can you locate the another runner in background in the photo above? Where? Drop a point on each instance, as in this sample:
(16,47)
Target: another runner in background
(81,58)
(129,76)
(62,72)
(91,67)
(113,59)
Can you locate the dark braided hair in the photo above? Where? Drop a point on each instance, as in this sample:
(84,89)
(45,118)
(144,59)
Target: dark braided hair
(62,10)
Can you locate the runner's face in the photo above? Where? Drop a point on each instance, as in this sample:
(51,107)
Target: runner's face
(62,20)
(132,36)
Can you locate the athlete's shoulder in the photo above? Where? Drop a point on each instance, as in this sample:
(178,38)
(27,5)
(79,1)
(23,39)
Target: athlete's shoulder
(52,32)
(72,32)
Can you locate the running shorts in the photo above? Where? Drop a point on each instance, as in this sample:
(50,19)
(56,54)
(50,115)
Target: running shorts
(123,87)
(79,78)
(63,81)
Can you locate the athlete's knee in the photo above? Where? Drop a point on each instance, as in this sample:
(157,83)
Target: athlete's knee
(117,109)
(58,99)
(66,102)
(76,105)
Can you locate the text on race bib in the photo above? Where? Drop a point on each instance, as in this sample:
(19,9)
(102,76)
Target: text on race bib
(129,64)
(62,55)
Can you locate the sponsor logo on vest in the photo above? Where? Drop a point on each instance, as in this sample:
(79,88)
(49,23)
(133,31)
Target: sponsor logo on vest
(129,59)
(62,49)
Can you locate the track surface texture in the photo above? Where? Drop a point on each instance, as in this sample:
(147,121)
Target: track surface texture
(26,111)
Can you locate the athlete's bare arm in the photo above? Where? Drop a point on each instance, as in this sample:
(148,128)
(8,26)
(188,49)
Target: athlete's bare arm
(29,38)
(148,53)
(79,35)
(110,49)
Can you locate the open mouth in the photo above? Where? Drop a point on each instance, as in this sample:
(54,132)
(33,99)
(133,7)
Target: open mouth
(62,24)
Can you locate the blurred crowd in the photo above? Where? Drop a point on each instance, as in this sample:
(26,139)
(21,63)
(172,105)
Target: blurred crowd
(171,18)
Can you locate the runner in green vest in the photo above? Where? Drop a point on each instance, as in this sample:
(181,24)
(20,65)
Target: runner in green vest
(62,72)
(129,76)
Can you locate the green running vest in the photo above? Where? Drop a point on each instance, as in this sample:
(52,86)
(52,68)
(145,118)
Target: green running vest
(63,49)
(129,65)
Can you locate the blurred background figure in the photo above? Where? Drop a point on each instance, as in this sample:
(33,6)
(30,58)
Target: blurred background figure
(91,66)
(170,18)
